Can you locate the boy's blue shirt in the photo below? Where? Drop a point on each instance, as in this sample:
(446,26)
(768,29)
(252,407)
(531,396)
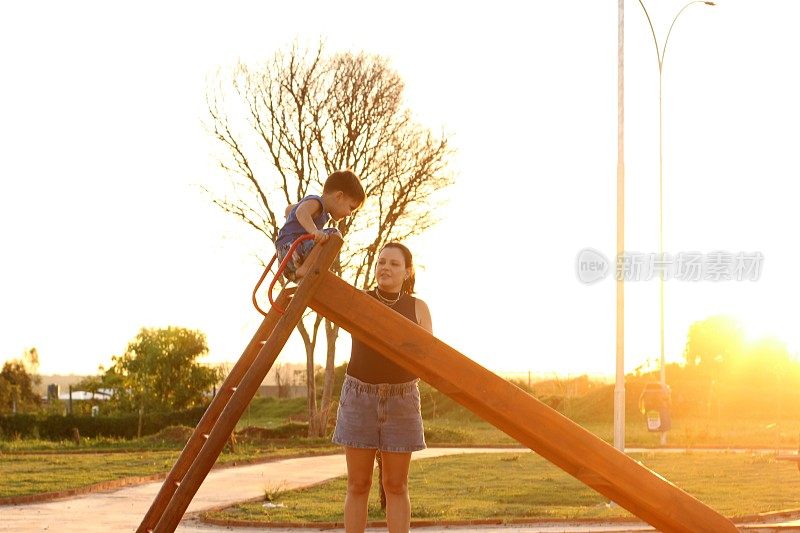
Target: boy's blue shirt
(293,229)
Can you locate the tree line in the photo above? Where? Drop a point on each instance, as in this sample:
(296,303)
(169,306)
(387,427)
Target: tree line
(161,371)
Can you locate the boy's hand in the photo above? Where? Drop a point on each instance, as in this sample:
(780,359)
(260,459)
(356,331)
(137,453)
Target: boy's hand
(320,236)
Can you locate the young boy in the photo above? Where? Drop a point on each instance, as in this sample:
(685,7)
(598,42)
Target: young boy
(342,194)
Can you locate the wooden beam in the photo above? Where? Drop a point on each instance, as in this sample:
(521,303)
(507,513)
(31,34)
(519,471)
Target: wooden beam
(556,438)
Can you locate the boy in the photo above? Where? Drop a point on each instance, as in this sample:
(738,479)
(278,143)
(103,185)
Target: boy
(342,194)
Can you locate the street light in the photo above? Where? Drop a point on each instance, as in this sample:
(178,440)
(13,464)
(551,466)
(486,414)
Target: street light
(660,52)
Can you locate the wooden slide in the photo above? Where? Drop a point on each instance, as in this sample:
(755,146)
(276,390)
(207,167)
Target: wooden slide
(520,415)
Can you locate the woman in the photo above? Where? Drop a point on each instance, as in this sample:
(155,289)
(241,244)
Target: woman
(379,407)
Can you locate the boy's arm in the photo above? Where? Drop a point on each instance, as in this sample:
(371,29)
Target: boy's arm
(305,214)
(288,210)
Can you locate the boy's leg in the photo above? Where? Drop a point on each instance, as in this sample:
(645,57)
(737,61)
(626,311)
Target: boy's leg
(296,260)
(307,246)
(300,255)
(288,271)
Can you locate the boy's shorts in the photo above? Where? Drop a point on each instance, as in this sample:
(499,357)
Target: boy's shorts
(299,255)
(384,416)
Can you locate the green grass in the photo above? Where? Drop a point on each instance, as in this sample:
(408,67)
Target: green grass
(686,432)
(271,412)
(23,474)
(171,438)
(523,485)
(594,411)
(57,465)
(99,444)
(704,432)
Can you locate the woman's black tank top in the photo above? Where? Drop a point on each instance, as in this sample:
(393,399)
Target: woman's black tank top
(369,366)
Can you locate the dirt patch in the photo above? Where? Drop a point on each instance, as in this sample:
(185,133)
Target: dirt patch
(172,434)
(256,435)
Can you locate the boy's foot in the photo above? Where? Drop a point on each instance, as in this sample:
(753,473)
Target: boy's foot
(300,272)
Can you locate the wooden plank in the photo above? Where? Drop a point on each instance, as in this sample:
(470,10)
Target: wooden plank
(559,440)
(197,440)
(321,259)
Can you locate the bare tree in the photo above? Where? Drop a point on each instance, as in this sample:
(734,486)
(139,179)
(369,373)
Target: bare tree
(286,125)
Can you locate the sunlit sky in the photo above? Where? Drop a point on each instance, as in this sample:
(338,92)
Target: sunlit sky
(104,228)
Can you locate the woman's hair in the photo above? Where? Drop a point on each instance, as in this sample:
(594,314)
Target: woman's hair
(408,284)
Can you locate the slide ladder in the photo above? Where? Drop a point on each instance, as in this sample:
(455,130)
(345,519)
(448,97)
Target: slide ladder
(556,438)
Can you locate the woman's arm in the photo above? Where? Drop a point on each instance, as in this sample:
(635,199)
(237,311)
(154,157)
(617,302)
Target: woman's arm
(423,315)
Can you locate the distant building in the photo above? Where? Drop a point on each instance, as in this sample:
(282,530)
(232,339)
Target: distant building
(55,392)
(52,386)
(77,395)
(290,391)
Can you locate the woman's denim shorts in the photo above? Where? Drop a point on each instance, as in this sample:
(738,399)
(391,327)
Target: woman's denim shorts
(384,416)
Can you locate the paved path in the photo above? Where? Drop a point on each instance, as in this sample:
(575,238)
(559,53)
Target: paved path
(123,509)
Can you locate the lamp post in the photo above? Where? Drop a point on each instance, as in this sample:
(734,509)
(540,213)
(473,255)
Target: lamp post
(660,52)
(619,381)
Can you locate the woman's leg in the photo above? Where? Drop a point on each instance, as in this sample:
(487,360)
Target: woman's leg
(360,463)
(395,483)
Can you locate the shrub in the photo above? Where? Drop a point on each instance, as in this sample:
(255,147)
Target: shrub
(57,427)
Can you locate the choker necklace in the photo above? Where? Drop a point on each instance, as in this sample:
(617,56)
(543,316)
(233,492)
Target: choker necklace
(387,301)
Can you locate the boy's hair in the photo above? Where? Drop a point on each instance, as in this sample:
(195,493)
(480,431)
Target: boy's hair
(347,182)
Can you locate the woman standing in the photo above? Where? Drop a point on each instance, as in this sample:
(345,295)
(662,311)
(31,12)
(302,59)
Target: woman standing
(379,406)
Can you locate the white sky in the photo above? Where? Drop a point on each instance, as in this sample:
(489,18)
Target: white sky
(104,229)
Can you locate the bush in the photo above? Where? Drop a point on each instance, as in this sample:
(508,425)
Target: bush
(20,425)
(57,427)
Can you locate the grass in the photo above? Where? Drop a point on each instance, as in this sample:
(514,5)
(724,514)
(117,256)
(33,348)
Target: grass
(689,432)
(88,444)
(32,466)
(523,485)
(21,475)
(167,440)
(703,432)
(50,469)
(35,466)
(449,423)
(272,412)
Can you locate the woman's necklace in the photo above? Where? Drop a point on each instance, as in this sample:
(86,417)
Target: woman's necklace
(387,301)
